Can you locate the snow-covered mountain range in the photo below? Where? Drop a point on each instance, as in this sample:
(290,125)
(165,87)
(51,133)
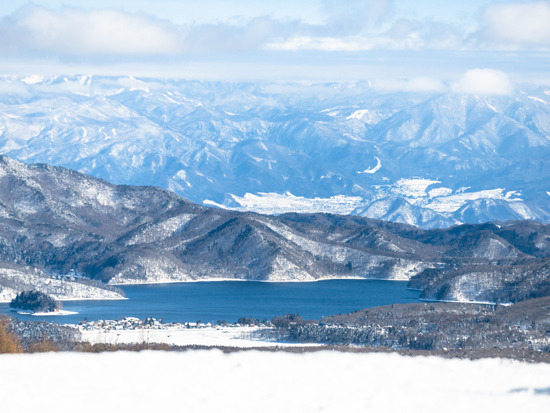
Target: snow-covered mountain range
(432,160)
(59,228)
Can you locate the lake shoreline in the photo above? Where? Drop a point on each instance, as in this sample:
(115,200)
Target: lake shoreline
(227,300)
(214,280)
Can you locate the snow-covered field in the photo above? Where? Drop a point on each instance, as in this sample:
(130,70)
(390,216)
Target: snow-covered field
(204,336)
(273,203)
(250,381)
(415,191)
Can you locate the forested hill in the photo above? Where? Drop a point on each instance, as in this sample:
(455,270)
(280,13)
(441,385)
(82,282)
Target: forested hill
(64,222)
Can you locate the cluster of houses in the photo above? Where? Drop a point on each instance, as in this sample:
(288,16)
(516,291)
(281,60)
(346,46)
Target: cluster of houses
(127,323)
(133,323)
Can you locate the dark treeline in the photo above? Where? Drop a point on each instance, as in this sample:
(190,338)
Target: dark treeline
(430,326)
(35,301)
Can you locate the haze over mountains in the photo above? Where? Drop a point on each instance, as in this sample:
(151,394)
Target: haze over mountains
(432,160)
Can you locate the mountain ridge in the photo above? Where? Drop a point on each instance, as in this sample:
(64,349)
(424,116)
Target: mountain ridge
(217,142)
(62,223)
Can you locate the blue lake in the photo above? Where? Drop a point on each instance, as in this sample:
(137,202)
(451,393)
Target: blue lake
(230,300)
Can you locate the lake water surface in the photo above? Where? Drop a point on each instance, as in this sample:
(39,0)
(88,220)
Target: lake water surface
(230,300)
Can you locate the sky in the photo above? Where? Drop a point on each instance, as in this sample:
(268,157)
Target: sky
(397,43)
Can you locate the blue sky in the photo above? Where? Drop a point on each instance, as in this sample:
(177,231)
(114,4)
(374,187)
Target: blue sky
(386,41)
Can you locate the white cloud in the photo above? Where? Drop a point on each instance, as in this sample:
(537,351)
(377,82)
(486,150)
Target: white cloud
(516,24)
(400,35)
(104,35)
(418,84)
(77,32)
(70,32)
(328,44)
(484,82)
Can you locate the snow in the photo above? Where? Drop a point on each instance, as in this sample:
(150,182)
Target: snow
(413,188)
(60,289)
(204,336)
(284,270)
(31,80)
(442,199)
(182,175)
(537,99)
(171,100)
(274,203)
(370,117)
(375,169)
(215,204)
(522,210)
(437,192)
(150,270)
(129,140)
(55,313)
(452,203)
(161,230)
(7,294)
(358,114)
(252,381)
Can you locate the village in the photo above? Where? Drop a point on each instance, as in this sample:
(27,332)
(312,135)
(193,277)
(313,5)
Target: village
(133,323)
(129,330)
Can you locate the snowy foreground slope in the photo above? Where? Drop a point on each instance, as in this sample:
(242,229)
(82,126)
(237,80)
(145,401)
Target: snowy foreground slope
(210,381)
(431,160)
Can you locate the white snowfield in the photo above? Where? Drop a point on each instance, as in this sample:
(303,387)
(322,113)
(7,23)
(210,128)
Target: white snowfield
(210,381)
(419,192)
(273,203)
(205,336)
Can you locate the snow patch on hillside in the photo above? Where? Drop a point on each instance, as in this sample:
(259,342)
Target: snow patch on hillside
(31,80)
(7,294)
(161,230)
(441,199)
(453,202)
(273,203)
(284,270)
(14,281)
(536,99)
(362,264)
(151,271)
(373,170)
(412,188)
(415,191)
